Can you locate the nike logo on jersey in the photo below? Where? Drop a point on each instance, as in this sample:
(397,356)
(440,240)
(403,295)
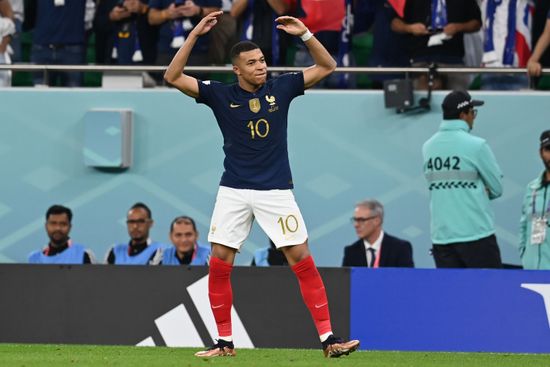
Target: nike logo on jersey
(319,306)
(233,105)
(217,306)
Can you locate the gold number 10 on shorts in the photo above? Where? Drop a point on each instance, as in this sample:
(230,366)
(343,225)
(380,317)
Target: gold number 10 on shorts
(260,128)
(290,224)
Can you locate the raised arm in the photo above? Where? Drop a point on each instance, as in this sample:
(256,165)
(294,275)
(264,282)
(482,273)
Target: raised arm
(174,73)
(324,63)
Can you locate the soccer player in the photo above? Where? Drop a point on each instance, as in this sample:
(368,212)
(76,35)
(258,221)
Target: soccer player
(257,182)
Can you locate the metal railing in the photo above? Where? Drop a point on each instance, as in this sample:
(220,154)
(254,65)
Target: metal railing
(130,69)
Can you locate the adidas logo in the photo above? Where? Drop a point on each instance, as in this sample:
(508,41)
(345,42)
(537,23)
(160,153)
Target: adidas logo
(178,330)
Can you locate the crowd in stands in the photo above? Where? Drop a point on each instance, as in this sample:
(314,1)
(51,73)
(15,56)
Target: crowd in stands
(385,33)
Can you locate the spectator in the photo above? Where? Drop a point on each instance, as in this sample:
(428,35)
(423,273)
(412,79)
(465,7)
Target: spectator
(375,248)
(176,19)
(186,250)
(18,8)
(134,39)
(104,31)
(140,250)
(324,18)
(7,29)
(388,47)
(533,64)
(507,42)
(534,245)
(435,30)
(463,177)
(58,38)
(60,249)
(223,36)
(257,24)
(269,256)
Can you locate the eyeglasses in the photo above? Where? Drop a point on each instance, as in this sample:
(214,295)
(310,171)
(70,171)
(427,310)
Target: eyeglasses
(362,220)
(139,222)
(474,111)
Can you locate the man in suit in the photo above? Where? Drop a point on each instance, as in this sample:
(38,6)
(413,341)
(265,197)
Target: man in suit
(375,248)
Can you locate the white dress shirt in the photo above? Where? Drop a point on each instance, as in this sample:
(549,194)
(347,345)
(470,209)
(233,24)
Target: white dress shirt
(376,246)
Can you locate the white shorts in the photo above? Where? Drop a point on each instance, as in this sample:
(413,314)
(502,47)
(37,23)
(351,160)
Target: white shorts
(275,210)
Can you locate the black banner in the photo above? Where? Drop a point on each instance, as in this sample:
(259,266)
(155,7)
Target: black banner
(155,305)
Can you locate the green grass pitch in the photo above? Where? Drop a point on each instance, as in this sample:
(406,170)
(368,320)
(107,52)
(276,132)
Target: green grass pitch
(25,355)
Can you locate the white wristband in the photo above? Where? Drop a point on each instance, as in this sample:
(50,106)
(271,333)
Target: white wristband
(306,36)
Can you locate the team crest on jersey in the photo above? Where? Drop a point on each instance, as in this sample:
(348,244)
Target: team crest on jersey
(254,105)
(272,105)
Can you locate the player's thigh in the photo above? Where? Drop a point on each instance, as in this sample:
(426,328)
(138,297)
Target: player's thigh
(279,216)
(232,218)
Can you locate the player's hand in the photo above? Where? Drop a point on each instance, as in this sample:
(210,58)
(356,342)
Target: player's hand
(291,25)
(534,68)
(418,29)
(207,23)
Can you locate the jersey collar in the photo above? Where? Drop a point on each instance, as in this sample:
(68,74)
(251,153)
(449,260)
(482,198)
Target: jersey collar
(449,125)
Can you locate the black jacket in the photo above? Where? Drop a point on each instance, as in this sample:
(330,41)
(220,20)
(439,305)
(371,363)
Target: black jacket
(396,253)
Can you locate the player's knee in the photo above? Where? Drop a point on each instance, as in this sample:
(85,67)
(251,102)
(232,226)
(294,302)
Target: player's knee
(297,253)
(223,253)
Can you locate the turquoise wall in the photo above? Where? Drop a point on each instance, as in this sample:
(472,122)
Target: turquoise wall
(344,146)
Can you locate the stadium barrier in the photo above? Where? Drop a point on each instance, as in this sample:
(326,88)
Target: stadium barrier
(387,309)
(165,306)
(451,310)
(46,70)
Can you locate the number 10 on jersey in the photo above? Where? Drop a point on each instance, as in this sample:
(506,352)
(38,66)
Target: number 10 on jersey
(259,129)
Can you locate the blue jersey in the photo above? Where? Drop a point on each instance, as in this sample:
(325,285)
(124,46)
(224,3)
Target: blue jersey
(200,256)
(143,258)
(59,24)
(254,129)
(73,254)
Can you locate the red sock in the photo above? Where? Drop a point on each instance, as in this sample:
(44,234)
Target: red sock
(313,293)
(220,294)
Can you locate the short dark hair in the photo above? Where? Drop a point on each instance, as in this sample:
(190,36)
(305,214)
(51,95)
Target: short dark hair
(455,114)
(183,219)
(242,46)
(59,209)
(140,205)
